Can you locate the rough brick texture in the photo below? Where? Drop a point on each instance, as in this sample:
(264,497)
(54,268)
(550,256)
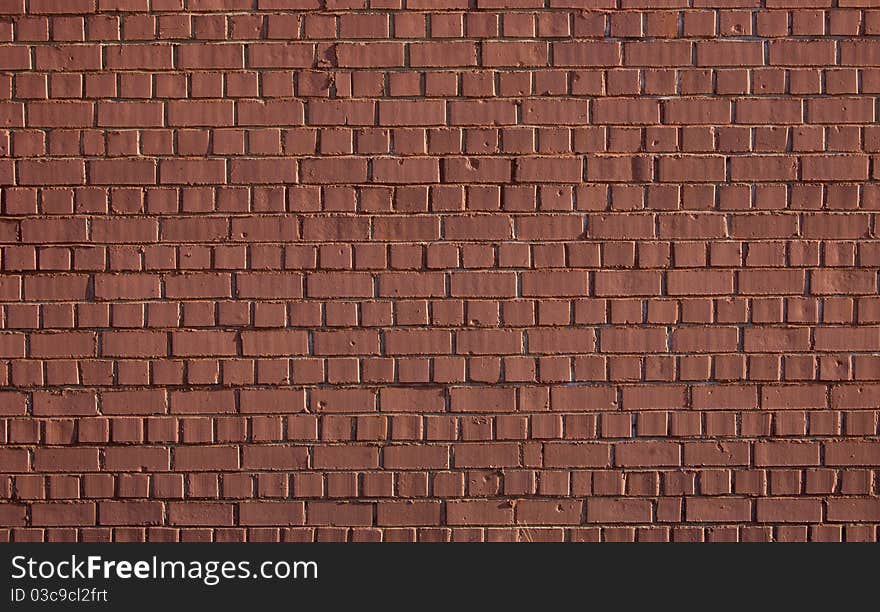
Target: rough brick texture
(439,270)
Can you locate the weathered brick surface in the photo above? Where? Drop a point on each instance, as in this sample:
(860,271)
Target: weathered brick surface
(416,270)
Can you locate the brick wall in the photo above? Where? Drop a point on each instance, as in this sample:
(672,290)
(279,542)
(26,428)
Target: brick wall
(439,269)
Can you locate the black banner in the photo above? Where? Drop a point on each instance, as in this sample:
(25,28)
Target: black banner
(153,576)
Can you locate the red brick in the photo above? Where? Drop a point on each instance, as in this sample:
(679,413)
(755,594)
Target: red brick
(372,54)
(140,56)
(271,513)
(479,512)
(409,512)
(200,513)
(338,513)
(862,453)
(729,53)
(58,514)
(574,454)
(782,510)
(509,53)
(280,55)
(618,510)
(436,54)
(786,453)
(130,513)
(210,56)
(586,53)
(410,399)
(718,510)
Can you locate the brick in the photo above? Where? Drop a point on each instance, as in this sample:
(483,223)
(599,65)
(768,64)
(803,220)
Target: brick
(802,53)
(635,454)
(569,283)
(482,400)
(834,167)
(563,340)
(658,53)
(185,113)
(202,402)
(437,54)
(855,396)
(548,169)
(411,399)
(280,55)
(763,168)
(130,513)
(633,340)
(725,397)
(274,457)
(338,513)
(60,114)
(404,171)
(409,513)
(718,510)
(794,396)
(272,513)
(51,172)
(699,282)
(583,398)
(68,402)
(789,510)
(716,453)
(192,172)
(127,287)
(621,226)
(122,172)
(264,170)
(549,512)
(57,514)
(270,112)
(200,513)
(417,342)
(620,510)
(859,453)
(341,112)
(697,111)
(786,453)
(485,455)
(340,457)
(729,53)
(691,168)
(769,111)
(211,56)
(479,512)
(331,170)
(766,339)
(67,57)
(626,111)
(482,112)
(586,53)
(771,282)
(509,53)
(849,509)
(830,282)
(269,284)
(553,112)
(369,55)
(840,110)
(572,454)
(140,56)
(66,459)
(859,53)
